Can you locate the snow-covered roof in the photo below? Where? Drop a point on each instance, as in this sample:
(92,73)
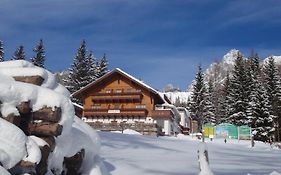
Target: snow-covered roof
(77,105)
(120,71)
(137,80)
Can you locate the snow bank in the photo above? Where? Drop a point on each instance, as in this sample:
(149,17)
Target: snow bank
(131,132)
(3,171)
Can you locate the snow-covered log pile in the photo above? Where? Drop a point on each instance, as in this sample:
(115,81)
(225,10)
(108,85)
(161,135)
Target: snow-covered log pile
(39,132)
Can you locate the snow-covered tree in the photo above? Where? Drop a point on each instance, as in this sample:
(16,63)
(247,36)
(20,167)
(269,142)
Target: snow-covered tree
(273,89)
(239,93)
(209,109)
(1,51)
(19,54)
(253,75)
(102,66)
(197,104)
(92,63)
(225,100)
(79,76)
(262,119)
(39,57)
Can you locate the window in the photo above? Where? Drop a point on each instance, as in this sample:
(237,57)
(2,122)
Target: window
(129,90)
(108,91)
(96,106)
(140,106)
(138,90)
(118,90)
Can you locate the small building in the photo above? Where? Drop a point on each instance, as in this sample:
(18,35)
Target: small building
(185,120)
(118,101)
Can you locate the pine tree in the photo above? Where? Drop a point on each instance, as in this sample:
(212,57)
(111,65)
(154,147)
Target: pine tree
(39,58)
(198,98)
(1,51)
(19,54)
(209,109)
(225,100)
(273,89)
(239,93)
(262,120)
(92,63)
(102,67)
(79,71)
(254,78)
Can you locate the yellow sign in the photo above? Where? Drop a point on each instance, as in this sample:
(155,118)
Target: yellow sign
(208,132)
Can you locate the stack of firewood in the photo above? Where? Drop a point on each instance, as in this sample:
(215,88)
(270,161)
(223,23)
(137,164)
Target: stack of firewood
(43,123)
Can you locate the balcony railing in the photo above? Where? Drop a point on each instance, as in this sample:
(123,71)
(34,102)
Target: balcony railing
(117,97)
(126,112)
(161,114)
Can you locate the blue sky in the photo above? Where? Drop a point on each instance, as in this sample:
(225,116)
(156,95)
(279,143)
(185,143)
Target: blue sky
(158,41)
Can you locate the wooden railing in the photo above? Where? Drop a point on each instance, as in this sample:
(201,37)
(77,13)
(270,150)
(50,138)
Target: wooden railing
(161,114)
(125,112)
(117,97)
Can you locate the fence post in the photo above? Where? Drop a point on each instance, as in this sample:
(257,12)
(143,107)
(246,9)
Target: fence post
(203,160)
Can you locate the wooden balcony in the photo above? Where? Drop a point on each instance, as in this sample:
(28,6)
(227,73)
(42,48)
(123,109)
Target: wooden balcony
(115,97)
(165,114)
(129,112)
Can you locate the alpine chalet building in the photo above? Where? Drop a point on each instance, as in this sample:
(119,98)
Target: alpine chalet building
(118,101)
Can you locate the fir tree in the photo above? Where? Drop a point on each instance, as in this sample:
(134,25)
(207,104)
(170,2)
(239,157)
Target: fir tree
(102,67)
(225,100)
(19,54)
(198,98)
(262,120)
(273,89)
(92,63)
(1,51)
(254,78)
(239,93)
(39,58)
(79,71)
(209,109)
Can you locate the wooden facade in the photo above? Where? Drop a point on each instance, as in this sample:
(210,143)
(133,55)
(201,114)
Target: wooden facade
(118,98)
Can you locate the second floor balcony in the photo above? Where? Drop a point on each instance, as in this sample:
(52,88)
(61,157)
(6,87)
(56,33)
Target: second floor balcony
(113,97)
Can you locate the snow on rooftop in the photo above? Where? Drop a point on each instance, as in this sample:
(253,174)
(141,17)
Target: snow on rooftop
(77,105)
(137,80)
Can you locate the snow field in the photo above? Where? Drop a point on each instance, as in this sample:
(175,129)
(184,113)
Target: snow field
(136,154)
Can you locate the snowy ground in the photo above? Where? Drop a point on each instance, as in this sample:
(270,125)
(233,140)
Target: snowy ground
(144,155)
